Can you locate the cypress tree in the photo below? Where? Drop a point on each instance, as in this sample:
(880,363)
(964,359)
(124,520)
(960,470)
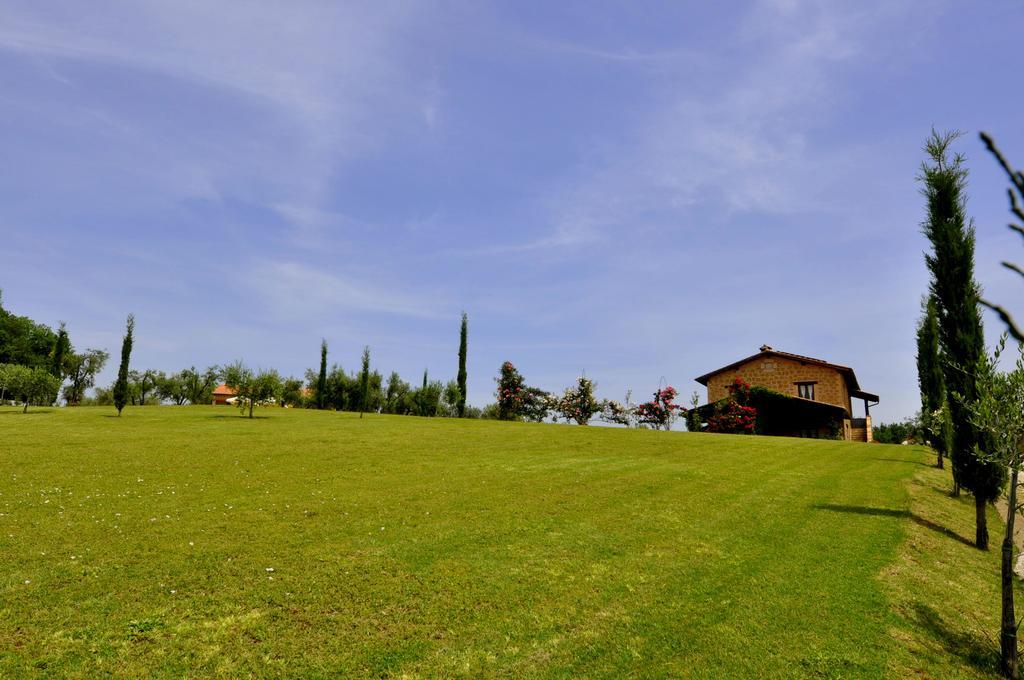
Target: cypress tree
(421,398)
(461,378)
(961,338)
(121,386)
(934,406)
(321,381)
(364,382)
(60,351)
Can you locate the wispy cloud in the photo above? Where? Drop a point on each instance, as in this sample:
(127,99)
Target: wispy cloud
(318,84)
(294,290)
(737,132)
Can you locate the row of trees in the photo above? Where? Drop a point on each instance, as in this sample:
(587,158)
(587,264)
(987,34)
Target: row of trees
(971,412)
(28,344)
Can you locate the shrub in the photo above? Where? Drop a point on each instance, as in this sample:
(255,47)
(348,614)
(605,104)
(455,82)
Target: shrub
(517,401)
(660,412)
(577,403)
(735,415)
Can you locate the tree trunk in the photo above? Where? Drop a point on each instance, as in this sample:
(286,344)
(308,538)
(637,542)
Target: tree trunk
(252,403)
(1008,632)
(25,410)
(956,489)
(938,462)
(980,524)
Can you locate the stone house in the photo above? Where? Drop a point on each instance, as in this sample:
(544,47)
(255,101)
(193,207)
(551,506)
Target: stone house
(819,394)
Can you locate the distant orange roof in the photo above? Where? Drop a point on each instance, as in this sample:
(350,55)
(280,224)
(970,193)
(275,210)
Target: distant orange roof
(223,390)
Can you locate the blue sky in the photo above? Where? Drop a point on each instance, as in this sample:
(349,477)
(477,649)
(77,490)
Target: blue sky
(641,191)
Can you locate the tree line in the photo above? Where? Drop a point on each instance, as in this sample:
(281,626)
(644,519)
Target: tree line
(972,412)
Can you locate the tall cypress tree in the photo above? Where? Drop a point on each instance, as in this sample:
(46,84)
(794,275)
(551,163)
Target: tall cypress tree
(461,378)
(364,382)
(321,381)
(961,338)
(421,398)
(60,351)
(121,386)
(934,406)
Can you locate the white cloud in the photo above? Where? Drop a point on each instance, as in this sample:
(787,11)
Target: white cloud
(295,290)
(332,81)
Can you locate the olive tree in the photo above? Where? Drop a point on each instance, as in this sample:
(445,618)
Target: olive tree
(252,386)
(31,385)
(998,410)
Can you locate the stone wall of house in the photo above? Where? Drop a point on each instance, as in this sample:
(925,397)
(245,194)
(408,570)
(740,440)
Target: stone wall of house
(782,375)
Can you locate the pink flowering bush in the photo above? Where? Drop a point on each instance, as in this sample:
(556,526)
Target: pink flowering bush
(660,412)
(577,404)
(516,400)
(735,416)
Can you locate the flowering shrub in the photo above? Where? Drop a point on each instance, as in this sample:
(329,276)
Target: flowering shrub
(739,390)
(516,400)
(619,414)
(660,412)
(577,404)
(511,392)
(735,416)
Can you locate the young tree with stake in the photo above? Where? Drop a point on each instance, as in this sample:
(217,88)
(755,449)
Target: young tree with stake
(998,411)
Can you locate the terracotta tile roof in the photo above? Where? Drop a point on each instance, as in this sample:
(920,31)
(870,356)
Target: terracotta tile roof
(223,390)
(767,350)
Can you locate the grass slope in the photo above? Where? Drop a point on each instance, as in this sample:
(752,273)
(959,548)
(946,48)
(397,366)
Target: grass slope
(143,546)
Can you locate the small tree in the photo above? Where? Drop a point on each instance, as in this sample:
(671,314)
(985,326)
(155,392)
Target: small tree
(516,400)
(61,348)
(143,383)
(121,386)
(461,378)
(321,380)
(511,392)
(82,370)
(450,397)
(999,412)
(198,387)
(32,385)
(623,413)
(932,383)
(578,403)
(693,421)
(364,382)
(252,387)
(291,392)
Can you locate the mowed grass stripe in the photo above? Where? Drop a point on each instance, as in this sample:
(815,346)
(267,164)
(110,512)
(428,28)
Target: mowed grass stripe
(426,547)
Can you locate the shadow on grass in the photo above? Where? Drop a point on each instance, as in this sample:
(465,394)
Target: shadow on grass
(30,412)
(228,416)
(891,512)
(974,650)
(908,462)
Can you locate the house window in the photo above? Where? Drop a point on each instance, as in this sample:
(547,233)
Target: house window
(805,390)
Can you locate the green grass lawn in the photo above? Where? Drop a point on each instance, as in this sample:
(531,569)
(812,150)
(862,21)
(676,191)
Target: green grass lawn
(190,541)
